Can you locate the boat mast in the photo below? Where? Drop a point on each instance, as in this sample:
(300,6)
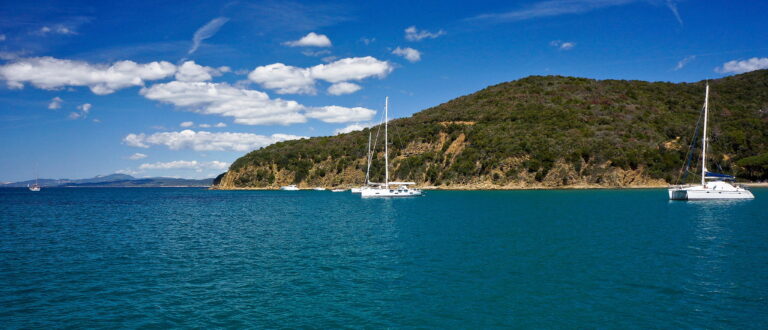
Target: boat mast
(704,139)
(386,149)
(368,170)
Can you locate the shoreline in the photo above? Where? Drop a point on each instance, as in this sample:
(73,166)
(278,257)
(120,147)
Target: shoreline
(471,188)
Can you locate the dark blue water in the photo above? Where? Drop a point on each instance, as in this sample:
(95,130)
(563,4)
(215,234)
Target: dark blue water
(195,258)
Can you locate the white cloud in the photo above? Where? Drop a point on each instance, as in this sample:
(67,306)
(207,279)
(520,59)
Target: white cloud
(367,41)
(206,31)
(137,156)
(550,8)
(751,64)
(284,79)
(410,54)
(337,114)
(352,68)
(351,128)
(248,107)
(52,73)
(672,5)
(206,141)
(55,103)
(58,29)
(187,124)
(185,164)
(413,34)
(343,88)
(190,71)
(84,110)
(287,79)
(310,40)
(316,53)
(204,125)
(682,63)
(562,45)
(220,125)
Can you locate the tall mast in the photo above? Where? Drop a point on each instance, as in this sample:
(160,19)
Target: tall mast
(704,139)
(368,170)
(386,142)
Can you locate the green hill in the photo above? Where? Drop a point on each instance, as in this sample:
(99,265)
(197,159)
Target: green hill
(539,132)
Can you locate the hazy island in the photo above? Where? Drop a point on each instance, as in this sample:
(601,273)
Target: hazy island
(537,132)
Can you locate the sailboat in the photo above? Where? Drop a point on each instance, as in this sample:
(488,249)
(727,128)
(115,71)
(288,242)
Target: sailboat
(35,186)
(713,185)
(383,189)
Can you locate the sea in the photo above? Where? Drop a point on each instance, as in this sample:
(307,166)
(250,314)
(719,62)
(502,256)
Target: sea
(195,258)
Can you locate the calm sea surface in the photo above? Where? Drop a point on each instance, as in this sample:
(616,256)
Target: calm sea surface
(195,258)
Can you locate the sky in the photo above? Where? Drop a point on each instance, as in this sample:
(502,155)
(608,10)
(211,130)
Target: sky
(184,88)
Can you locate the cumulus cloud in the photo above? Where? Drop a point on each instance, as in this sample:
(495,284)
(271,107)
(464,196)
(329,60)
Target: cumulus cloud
(187,124)
(137,156)
(682,63)
(343,88)
(310,40)
(351,128)
(220,125)
(206,141)
(184,164)
(52,73)
(353,68)
(206,31)
(562,45)
(191,71)
(285,79)
(410,54)
(55,103)
(204,125)
(337,114)
(751,64)
(413,34)
(248,107)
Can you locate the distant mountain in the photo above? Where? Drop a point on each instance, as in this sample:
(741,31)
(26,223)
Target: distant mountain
(116,180)
(538,132)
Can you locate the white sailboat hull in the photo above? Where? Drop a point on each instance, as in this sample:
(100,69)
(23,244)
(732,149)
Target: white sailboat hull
(712,190)
(357,190)
(382,192)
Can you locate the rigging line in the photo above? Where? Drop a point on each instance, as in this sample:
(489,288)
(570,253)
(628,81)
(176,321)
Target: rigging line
(689,155)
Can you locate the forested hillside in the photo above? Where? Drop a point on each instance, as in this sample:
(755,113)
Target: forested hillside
(539,132)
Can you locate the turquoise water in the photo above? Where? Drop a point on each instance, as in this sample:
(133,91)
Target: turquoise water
(195,258)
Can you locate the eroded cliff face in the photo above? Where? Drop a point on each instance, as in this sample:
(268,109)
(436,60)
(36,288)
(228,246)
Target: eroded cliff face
(512,173)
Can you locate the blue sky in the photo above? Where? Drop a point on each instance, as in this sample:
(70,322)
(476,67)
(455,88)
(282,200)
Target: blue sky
(183,89)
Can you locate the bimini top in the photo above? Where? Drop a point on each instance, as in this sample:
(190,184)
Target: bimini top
(713,175)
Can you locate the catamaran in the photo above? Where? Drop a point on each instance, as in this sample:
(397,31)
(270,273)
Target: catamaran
(718,186)
(383,189)
(291,187)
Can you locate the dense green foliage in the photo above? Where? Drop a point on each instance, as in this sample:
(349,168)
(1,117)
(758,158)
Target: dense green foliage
(631,124)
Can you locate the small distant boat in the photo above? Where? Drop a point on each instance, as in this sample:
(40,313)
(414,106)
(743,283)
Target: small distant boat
(718,187)
(338,190)
(383,189)
(291,187)
(318,189)
(35,186)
